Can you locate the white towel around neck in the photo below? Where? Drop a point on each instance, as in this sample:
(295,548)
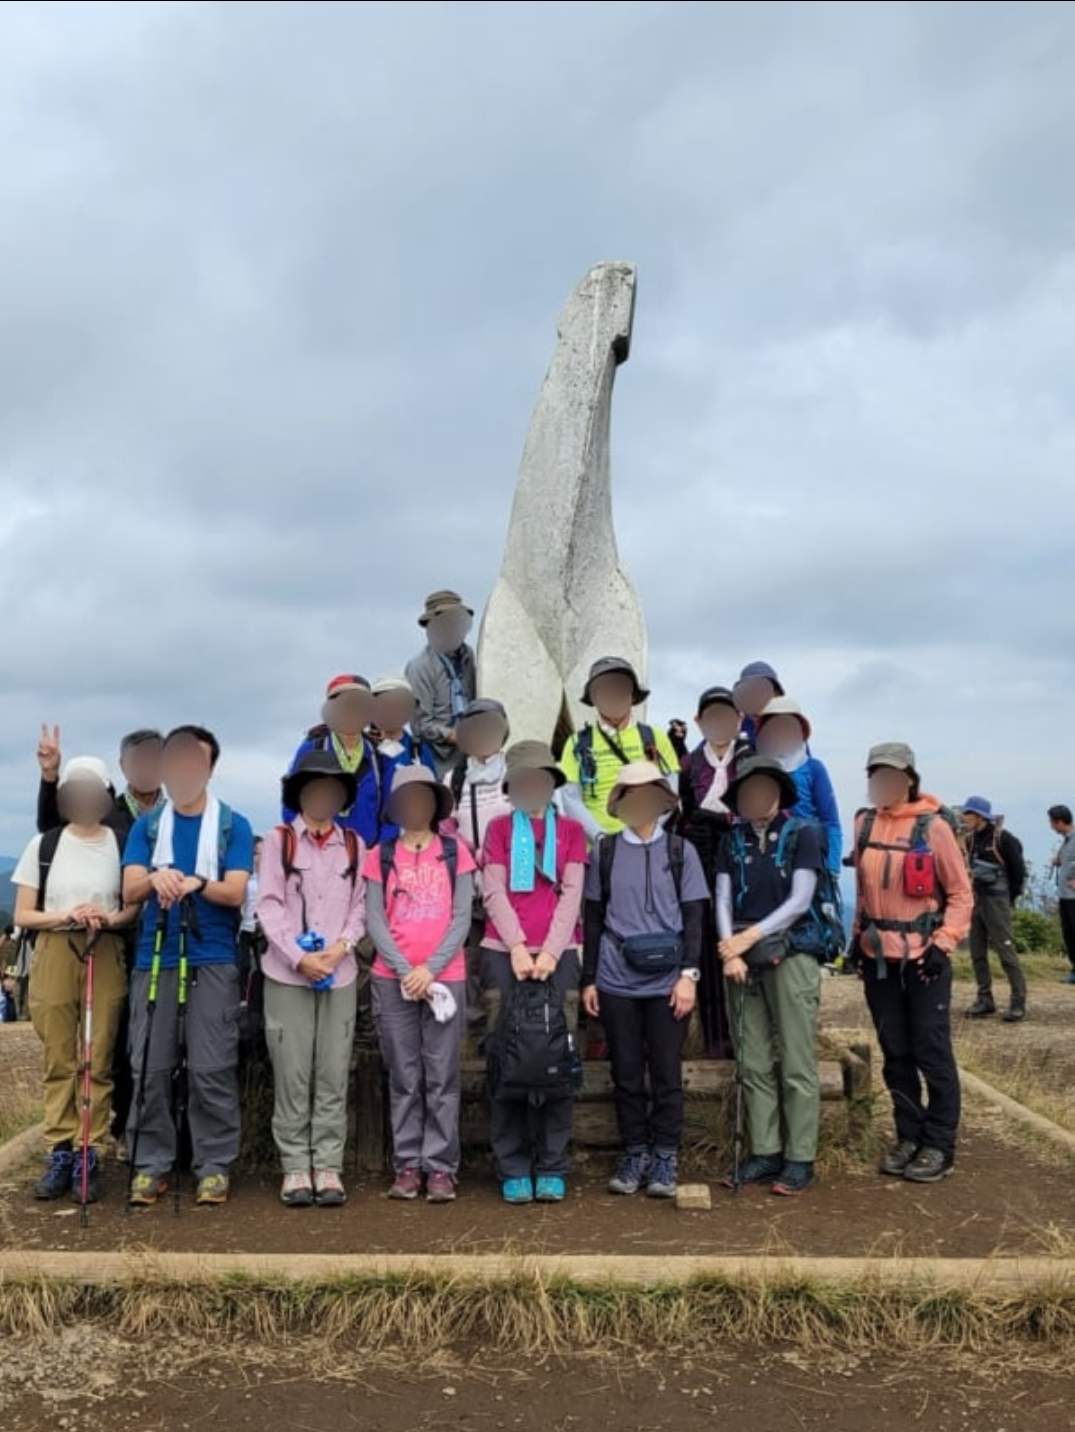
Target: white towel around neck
(207,866)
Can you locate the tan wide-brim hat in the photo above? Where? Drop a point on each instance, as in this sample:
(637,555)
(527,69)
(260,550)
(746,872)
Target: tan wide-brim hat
(641,773)
(439,604)
(531,756)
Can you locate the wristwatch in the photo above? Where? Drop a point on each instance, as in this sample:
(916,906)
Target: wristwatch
(691,973)
(203,884)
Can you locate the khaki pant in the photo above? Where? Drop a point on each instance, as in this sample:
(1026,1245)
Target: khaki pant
(310,1033)
(57,992)
(779,1020)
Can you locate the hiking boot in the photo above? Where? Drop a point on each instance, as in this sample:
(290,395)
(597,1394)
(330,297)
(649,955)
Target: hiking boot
(329,1191)
(795,1178)
(297,1191)
(408,1185)
(1069,978)
(764,1168)
(122,1152)
(663,1172)
(897,1160)
(145,1190)
(93,1178)
(551,1188)
(982,1008)
(518,1190)
(1015,1013)
(440,1188)
(632,1173)
(929,1166)
(212,1190)
(55,1182)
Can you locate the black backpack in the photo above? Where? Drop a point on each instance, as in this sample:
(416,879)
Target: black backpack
(535,1054)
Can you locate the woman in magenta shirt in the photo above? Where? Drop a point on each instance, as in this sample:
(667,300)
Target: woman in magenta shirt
(534,865)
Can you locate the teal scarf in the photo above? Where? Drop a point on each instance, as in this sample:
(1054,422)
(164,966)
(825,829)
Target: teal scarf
(524,850)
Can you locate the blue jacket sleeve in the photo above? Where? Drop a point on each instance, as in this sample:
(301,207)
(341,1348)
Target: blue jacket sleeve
(828,813)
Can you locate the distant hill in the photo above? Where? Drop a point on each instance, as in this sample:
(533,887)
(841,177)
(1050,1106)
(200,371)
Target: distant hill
(7,890)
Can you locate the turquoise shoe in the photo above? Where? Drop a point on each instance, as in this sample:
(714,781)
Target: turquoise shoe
(551,1189)
(518,1190)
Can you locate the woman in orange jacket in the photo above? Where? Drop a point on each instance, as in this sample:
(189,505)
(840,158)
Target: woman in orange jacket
(913,908)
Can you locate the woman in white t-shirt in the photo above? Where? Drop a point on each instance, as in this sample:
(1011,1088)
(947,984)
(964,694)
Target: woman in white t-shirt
(69,884)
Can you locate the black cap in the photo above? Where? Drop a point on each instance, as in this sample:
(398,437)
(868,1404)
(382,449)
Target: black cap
(715,696)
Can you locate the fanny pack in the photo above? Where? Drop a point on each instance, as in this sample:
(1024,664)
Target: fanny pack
(770,951)
(984,872)
(655,954)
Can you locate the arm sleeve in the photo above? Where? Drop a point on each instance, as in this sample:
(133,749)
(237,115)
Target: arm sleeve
(725,919)
(955,882)
(1014,863)
(803,885)
(562,926)
(498,905)
(379,933)
(693,933)
(576,808)
(48,806)
(828,813)
(278,926)
(593,927)
(424,725)
(456,937)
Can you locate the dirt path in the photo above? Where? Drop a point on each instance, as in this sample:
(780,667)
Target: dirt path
(86,1378)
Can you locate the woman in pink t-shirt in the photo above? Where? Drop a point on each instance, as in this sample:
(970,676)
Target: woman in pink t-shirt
(534,865)
(419,890)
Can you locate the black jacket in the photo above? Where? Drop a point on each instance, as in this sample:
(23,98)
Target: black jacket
(989,846)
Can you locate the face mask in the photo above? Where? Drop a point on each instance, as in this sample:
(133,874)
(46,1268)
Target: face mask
(794,759)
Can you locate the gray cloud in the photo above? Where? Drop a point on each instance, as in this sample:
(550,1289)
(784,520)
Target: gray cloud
(278,284)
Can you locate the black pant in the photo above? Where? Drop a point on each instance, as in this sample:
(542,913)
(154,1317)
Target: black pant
(914,1027)
(122,1078)
(1067,927)
(530,1138)
(644,1036)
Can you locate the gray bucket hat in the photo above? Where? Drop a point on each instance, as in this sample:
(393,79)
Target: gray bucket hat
(604,667)
(421,776)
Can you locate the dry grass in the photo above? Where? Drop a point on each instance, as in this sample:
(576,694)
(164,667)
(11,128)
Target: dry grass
(528,1316)
(20,1079)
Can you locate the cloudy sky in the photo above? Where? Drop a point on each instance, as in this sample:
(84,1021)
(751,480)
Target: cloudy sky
(279,282)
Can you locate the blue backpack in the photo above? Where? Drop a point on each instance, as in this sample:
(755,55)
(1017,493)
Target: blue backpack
(820,932)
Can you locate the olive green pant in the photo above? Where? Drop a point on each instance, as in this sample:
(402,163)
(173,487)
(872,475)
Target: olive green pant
(774,1025)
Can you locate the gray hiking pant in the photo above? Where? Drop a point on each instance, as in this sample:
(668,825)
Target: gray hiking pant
(422,1059)
(310,1033)
(991,925)
(212,1040)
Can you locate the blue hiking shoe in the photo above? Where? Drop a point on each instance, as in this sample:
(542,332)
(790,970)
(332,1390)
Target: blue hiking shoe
(632,1173)
(55,1182)
(1069,978)
(663,1173)
(795,1178)
(551,1188)
(518,1190)
(93,1178)
(763,1168)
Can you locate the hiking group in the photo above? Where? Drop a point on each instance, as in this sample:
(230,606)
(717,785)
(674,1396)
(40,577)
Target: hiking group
(440,880)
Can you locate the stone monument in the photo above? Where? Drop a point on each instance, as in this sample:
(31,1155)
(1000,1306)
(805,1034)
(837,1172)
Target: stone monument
(563,598)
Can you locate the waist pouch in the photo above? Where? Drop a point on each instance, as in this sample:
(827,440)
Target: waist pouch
(770,951)
(653,954)
(984,872)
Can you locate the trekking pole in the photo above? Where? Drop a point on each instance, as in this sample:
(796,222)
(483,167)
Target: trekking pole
(159,936)
(89,959)
(739,1132)
(179,1070)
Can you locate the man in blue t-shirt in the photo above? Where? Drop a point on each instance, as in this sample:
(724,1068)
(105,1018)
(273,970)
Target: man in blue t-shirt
(188,863)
